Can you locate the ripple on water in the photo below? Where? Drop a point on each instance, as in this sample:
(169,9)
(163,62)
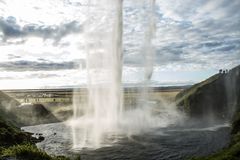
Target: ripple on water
(159,144)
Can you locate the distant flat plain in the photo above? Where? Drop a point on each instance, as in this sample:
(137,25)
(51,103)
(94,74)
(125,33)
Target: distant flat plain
(60,101)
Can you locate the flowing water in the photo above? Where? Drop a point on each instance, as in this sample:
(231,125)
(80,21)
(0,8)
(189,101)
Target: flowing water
(103,113)
(101,127)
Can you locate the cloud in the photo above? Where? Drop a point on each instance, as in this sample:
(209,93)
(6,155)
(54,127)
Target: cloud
(183,55)
(41,65)
(18,76)
(10,29)
(190,36)
(203,34)
(13,56)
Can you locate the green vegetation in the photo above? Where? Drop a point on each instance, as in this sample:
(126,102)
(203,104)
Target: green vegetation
(215,98)
(193,89)
(192,97)
(11,135)
(27,152)
(20,145)
(14,143)
(231,153)
(220,96)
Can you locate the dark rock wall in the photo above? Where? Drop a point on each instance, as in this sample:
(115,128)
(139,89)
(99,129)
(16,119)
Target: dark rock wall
(216,98)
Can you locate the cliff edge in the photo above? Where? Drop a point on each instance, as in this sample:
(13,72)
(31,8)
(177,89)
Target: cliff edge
(217,98)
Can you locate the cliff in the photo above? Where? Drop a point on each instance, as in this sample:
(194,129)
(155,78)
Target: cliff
(216,98)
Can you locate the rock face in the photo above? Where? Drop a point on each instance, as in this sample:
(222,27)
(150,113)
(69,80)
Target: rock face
(216,98)
(24,115)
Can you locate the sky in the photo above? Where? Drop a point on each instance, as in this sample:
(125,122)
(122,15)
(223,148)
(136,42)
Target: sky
(43,42)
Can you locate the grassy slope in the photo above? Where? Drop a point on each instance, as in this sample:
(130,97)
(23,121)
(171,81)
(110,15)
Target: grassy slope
(20,145)
(13,142)
(231,152)
(185,98)
(214,97)
(11,135)
(192,90)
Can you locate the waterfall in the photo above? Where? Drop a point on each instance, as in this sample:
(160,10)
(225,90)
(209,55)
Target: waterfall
(102,111)
(149,51)
(100,118)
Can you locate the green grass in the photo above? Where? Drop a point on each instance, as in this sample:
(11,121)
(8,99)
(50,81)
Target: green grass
(11,135)
(14,143)
(20,145)
(28,152)
(183,95)
(231,153)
